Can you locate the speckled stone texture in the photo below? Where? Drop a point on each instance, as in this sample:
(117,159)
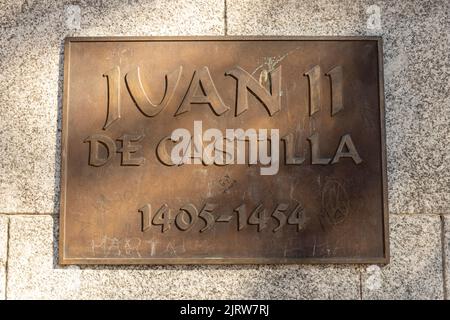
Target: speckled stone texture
(31,39)
(3,254)
(417,79)
(446,240)
(33,274)
(415,271)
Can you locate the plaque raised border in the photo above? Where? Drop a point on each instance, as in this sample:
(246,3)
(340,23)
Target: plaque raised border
(65,260)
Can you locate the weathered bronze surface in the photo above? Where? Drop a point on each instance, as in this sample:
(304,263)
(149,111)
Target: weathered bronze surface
(124,202)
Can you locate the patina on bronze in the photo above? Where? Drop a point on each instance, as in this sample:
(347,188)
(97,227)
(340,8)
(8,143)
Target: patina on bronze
(124,200)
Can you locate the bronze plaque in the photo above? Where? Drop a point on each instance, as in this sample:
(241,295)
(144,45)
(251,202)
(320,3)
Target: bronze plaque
(223,150)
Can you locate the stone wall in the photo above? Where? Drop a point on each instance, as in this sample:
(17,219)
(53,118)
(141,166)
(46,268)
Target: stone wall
(417,83)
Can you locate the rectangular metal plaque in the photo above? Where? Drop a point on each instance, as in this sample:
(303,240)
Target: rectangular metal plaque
(223,150)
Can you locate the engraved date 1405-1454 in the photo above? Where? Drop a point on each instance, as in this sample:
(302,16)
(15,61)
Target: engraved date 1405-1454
(188,216)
